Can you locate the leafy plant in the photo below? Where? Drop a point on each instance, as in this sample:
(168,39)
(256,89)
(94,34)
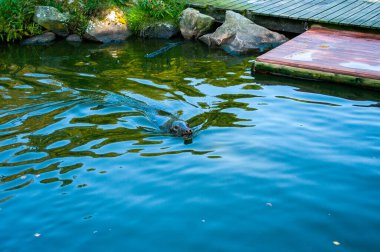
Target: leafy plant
(148,11)
(137,18)
(80,11)
(16,16)
(16,20)
(160,9)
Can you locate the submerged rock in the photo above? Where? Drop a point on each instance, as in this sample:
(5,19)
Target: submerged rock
(51,19)
(162,30)
(239,35)
(194,24)
(42,39)
(111,27)
(74,38)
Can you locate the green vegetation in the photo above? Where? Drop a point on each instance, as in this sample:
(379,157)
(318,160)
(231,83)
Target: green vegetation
(16,19)
(149,11)
(80,11)
(16,16)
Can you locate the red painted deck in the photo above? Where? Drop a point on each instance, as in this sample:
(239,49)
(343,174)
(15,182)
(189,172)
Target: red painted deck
(332,51)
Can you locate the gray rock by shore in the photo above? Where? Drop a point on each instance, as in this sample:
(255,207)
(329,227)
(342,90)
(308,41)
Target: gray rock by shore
(74,38)
(194,24)
(51,19)
(162,30)
(239,35)
(42,39)
(111,28)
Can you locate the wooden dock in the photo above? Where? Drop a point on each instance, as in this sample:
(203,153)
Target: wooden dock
(329,55)
(298,15)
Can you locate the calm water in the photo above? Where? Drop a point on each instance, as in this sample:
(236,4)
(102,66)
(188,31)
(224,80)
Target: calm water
(276,164)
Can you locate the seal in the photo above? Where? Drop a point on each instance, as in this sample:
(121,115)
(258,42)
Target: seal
(178,127)
(163,120)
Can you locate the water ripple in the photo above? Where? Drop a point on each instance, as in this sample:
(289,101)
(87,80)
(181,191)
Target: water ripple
(269,155)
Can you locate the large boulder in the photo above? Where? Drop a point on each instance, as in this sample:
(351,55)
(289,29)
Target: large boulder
(194,24)
(42,39)
(51,19)
(239,35)
(162,30)
(110,27)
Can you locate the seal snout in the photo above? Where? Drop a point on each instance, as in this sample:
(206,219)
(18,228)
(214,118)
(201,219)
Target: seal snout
(187,132)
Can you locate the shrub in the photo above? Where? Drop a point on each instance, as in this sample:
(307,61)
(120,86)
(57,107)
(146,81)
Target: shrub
(148,11)
(79,10)
(161,9)
(16,16)
(16,20)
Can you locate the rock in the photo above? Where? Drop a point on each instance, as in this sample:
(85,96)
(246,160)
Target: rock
(74,38)
(162,30)
(194,24)
(239,35)
(42,39)
(111,27)
(51,19)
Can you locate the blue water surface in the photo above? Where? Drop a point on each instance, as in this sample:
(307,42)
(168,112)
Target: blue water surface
(275,164)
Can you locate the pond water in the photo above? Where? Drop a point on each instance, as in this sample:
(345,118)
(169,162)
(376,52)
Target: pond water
(275,164)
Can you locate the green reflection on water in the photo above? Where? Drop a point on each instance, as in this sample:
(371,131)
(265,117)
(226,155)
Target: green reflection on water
(60,100)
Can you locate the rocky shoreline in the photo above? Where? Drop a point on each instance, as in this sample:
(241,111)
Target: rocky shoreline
(237,35)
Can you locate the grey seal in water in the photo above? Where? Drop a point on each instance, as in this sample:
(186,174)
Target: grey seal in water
(178,127)
(165,121)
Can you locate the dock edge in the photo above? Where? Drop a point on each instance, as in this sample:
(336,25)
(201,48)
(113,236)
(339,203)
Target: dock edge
(302,73)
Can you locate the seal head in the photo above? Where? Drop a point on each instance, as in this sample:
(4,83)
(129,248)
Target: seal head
(180,128)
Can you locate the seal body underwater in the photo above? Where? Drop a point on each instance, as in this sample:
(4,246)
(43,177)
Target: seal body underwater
(164,120)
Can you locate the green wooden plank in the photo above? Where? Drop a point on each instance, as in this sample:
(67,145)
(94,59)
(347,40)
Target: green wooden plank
(331,11)
(266,4)
(258,6)
(318,6)
(361,14)
(287,12)
(269,5)
(250,5)
(373,14)
(247,5)
(234,2)
(242,6)
(323,8)
(281,7)
(372,20)
(284,11)
(354,11)
(346,12)
(276,6)
(219,3)
(227,4)
(294,13)
(376,26)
